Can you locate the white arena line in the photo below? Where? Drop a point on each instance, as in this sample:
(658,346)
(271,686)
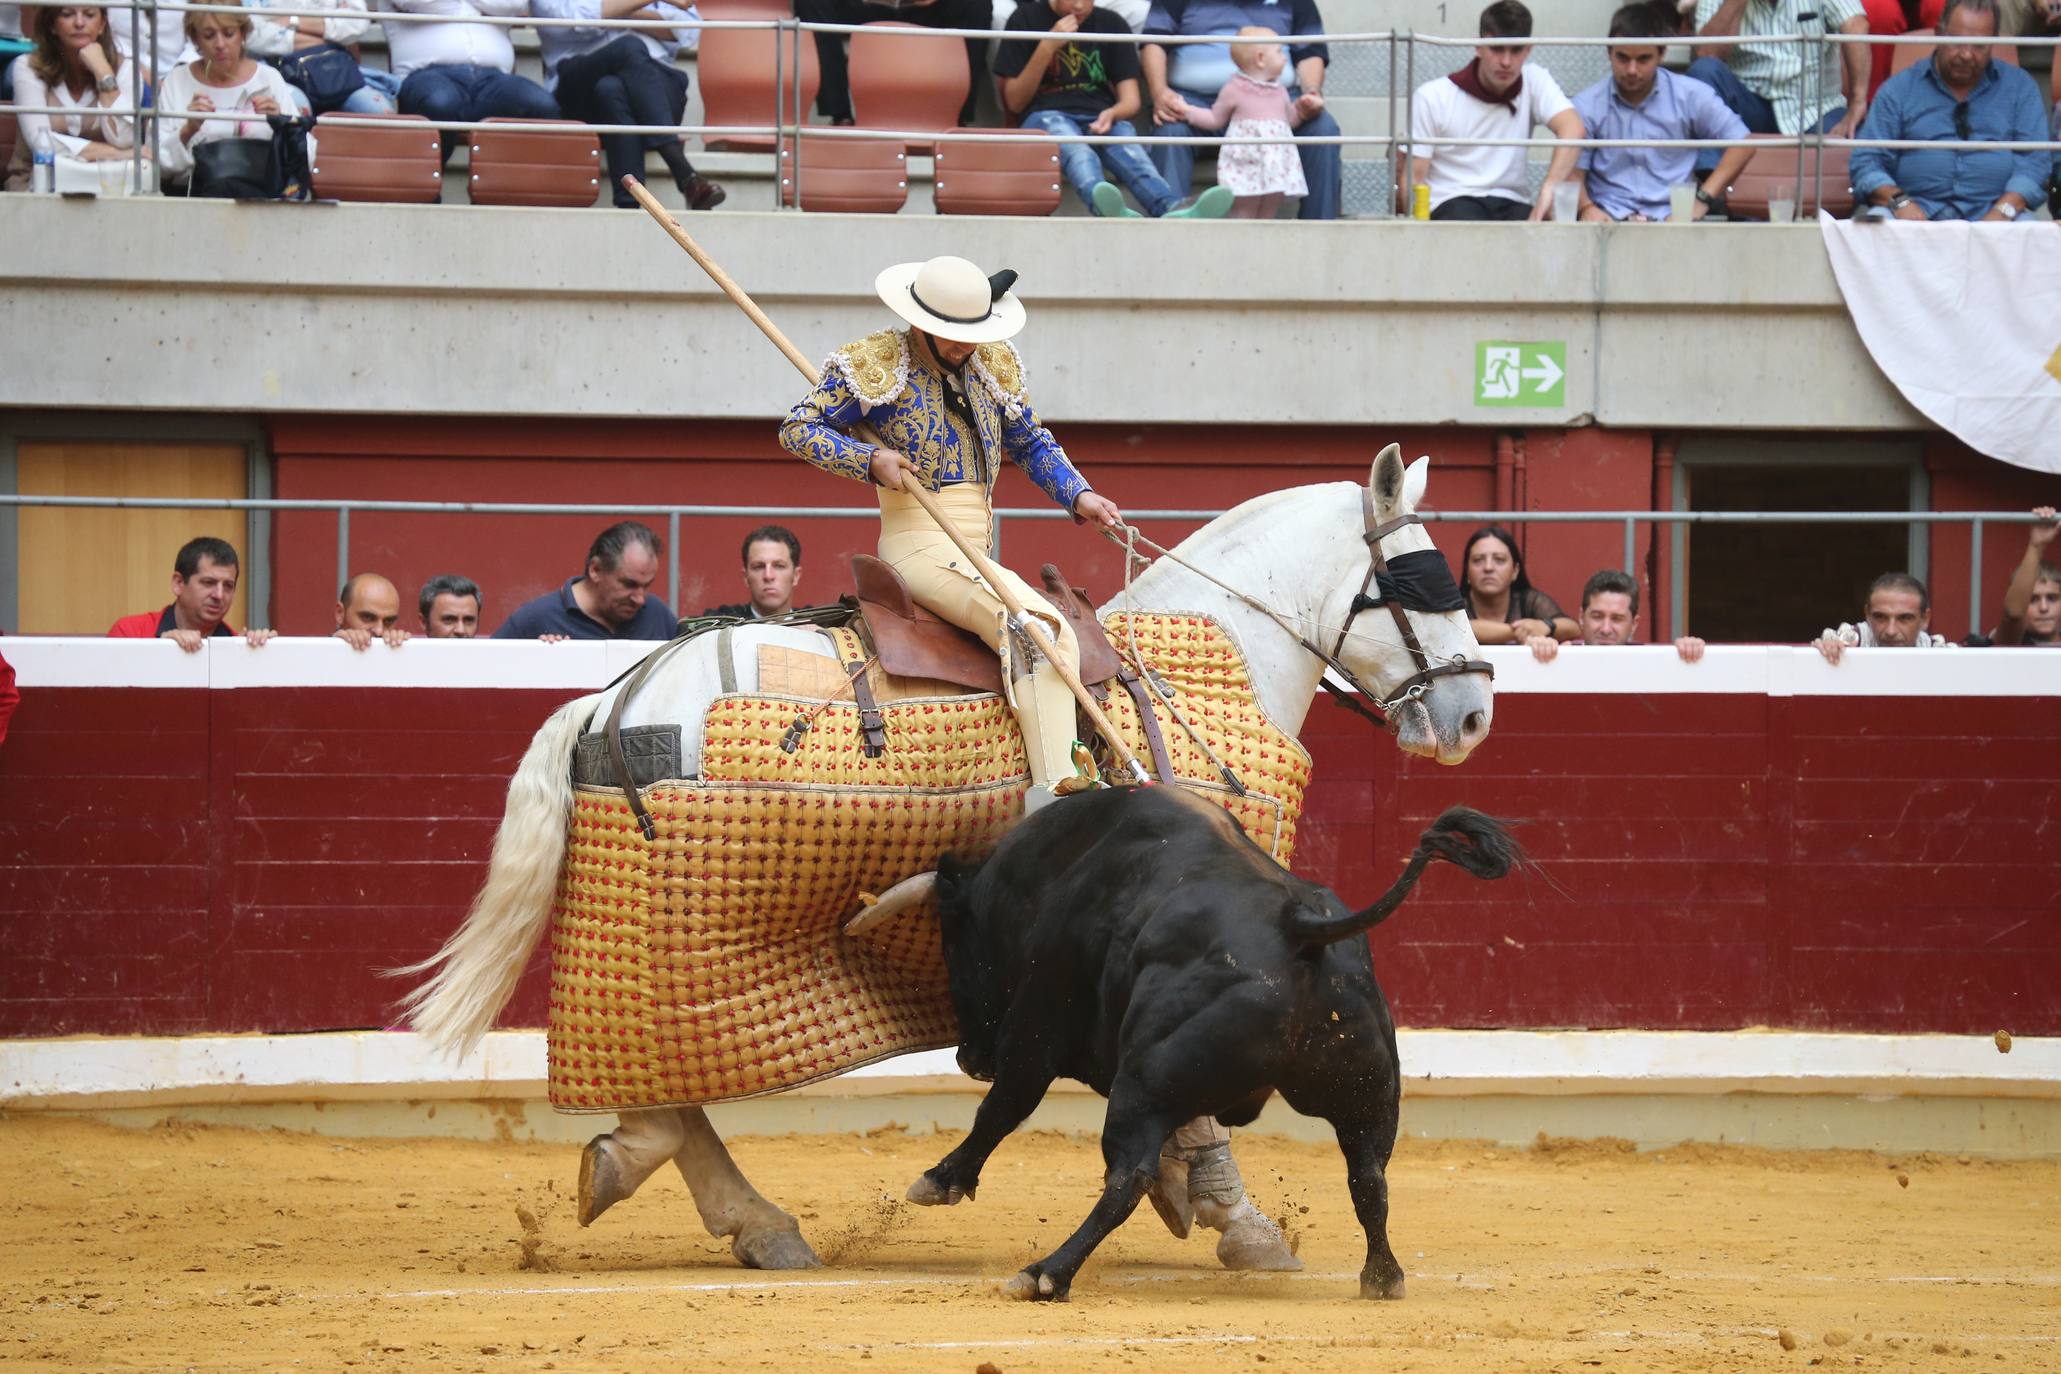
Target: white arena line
(1399,1341)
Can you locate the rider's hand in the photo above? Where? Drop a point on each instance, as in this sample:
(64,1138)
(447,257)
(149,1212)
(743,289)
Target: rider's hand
(887,468)
(1091,507)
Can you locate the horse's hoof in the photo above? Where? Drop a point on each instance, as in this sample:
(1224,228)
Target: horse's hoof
(1390,1290)
(601,1180)
(1252,1242)
(1029,1287)
(1169,1196)
(783,1249)
(928,1192)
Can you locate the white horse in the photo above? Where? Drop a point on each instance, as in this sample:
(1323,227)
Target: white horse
(1300,554)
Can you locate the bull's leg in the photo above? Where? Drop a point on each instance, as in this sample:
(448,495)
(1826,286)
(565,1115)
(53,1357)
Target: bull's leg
(761,1235)
(1021,1079)
(1132,1134)
(1367,1146)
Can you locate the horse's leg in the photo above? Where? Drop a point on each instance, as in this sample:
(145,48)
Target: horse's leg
(1216,1196)
(615,1165)
(761,1235)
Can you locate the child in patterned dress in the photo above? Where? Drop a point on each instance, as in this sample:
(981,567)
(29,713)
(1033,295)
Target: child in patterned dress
(1254,104)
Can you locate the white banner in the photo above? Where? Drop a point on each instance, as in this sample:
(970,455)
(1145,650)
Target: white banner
(1965,320)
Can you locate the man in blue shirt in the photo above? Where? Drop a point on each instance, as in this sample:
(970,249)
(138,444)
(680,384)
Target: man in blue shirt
(1960,94)
(1642,99)
(611,600)
(1195,72)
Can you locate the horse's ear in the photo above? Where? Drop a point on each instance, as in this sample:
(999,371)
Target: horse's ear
(1414,481)
(1387,478)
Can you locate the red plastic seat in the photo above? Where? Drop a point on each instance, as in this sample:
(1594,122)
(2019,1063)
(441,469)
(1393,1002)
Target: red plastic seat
(1771,174)
(742,83)
(851,175)
(1019,177)
(7,138)
(905,77)
(535,167)
(401,163)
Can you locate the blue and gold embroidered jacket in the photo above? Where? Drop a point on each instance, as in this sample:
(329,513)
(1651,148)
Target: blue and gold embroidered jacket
(879,379)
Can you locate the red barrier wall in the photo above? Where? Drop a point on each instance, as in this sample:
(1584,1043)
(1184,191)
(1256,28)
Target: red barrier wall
(181,859)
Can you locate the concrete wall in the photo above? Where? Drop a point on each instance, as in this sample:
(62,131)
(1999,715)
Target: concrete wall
(170,305)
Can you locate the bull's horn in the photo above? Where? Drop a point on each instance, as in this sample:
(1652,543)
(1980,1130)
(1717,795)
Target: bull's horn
(903,896)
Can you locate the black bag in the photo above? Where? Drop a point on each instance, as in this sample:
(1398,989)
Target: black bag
(327,74)
(255,168)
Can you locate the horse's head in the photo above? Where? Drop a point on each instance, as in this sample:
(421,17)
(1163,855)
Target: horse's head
(1438,716)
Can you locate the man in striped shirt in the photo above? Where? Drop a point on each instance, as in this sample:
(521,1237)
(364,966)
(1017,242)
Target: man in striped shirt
(1782,88)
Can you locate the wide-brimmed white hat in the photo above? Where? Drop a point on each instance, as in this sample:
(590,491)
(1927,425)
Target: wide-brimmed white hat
(952,299)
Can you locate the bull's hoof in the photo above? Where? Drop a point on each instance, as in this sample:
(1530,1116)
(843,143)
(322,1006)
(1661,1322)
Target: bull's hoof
(1385,1290)
(602,1184)
(774,1249)
(1029,1287)
(928,1192)
(1252,1242)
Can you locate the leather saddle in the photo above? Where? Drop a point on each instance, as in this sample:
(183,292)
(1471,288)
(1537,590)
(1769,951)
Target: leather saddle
(914,642)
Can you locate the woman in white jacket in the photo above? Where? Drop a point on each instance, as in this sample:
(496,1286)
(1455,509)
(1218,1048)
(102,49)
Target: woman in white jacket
(75,65)
(224,79)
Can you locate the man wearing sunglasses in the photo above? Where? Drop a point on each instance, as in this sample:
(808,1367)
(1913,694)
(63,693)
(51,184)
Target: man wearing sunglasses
(1960,96)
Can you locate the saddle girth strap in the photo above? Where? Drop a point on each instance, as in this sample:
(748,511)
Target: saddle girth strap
(872,727)
(1148,720)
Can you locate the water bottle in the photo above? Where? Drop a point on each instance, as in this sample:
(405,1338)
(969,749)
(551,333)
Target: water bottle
(43,171)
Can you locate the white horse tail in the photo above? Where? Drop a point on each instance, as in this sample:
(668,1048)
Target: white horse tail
(477,969)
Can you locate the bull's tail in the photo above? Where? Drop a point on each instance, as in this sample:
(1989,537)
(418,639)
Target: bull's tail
(1460,836)
(476,971)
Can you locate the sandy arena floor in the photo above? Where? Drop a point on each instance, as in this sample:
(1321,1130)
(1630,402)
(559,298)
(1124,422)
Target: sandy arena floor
(220,1249)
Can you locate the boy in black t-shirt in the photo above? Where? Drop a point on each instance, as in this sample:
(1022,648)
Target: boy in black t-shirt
(1064,87)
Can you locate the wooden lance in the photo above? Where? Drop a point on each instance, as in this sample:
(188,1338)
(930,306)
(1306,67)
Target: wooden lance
(1019,617)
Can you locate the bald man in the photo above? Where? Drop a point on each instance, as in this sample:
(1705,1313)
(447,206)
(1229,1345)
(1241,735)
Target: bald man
(367,608)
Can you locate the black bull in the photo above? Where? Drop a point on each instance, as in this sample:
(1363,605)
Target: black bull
(1136,939)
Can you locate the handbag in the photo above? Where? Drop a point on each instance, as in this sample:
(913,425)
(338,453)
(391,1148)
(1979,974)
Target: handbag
(274,168)
(326,73)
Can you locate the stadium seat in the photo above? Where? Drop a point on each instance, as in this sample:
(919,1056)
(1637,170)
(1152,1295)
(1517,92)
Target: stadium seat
(529,167)
(904,77)
(741,81)
(1771,174)
(1911,54)
(401,162)
(1019,177)
(853,175)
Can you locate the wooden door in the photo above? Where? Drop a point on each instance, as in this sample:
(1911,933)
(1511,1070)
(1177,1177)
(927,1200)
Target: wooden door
(84,568)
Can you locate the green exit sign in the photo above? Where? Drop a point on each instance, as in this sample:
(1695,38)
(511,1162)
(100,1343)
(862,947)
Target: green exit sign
(1520,374)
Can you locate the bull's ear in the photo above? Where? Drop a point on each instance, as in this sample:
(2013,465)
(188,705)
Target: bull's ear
(1387,479)
(1414,481)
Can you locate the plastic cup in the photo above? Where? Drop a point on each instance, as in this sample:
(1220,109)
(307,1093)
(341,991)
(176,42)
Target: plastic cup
(1567,202)
(113,177)
(1781,211)
(1681,204)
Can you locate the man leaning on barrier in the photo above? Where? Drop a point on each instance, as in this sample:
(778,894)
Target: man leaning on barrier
(1964,95)
(1771,85)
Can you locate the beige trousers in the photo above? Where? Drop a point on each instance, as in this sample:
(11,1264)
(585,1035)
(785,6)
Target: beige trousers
(945,583)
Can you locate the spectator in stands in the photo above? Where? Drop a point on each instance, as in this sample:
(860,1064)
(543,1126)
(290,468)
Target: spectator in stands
(772,568)
(460,73)
(223,78)
(368,608)
(283,38)
(1892,19)
(74,64)
(1610,616)
(1193,74)
(1500,94)
(1253,105)
(1641,99)
(449,606)
(12,45)
(2032,603)
(1088,88)
(607,76)
(2032,19)
(1899,610)
(1502,605)
(1960,94)
(834,95)
(1765,83)
(610,600)
(203,587)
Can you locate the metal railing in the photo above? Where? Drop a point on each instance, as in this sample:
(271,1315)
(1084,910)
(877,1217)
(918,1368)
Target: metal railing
(791,131)
(1630,520)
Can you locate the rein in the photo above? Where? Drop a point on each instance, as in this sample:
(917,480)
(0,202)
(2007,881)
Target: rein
(1362,697)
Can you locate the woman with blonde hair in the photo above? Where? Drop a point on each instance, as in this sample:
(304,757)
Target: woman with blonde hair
(75,65)
(223,79)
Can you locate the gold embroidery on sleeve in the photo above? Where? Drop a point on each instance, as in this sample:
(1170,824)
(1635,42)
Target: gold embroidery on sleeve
(875,367)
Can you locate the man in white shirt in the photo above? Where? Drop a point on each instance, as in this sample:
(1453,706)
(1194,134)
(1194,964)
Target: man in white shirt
(1498,95)
(609,76)
(461,73)
(1770,85)
(1899,617)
